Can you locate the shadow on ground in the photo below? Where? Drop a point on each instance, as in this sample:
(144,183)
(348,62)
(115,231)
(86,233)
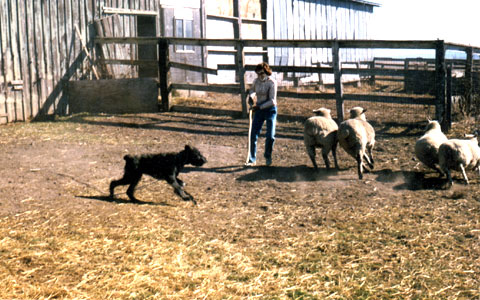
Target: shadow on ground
(410,180)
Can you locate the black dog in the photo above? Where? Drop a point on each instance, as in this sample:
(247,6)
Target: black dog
(164,166)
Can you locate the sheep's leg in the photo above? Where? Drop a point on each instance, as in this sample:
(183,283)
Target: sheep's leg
(325,158)
(334,154)
(449,177)
(311,154)
(463,173)
(369,149)
(369,158)
(359,166)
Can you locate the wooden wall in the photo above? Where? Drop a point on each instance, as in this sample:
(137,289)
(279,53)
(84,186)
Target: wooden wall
(40,51)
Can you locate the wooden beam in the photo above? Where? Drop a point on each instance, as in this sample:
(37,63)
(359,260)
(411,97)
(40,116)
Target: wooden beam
(194,68)
(228,89)
(124,11)
(235,19)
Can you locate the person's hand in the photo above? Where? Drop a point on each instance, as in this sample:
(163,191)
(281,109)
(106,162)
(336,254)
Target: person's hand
(255,108)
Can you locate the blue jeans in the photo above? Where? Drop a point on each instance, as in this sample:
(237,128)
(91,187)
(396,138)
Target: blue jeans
(269,115)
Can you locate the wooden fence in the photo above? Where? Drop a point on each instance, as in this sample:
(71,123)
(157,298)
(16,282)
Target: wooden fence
(439,70)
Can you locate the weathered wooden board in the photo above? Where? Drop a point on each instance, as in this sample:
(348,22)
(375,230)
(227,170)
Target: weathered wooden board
(113,96)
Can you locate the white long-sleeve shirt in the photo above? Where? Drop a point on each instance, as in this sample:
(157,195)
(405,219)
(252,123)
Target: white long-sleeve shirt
(266,92)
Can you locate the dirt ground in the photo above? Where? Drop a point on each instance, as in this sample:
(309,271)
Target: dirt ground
(55,178)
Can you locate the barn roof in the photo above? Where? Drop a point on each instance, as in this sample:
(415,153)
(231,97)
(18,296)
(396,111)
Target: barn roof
(365,2)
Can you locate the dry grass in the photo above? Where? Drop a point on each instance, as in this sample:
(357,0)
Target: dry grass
(308,237)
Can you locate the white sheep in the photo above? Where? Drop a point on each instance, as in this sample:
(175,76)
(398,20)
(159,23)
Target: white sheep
(357,138)
(459,155)
(321,132)
(426,147)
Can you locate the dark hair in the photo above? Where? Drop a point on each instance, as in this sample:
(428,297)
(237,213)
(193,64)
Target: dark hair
(263,67)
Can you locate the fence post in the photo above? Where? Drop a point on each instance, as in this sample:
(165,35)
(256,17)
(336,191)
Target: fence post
(372,77)
(337,73)
(164,73)
(469,80)
(441,72)
(448,113)
(240,62)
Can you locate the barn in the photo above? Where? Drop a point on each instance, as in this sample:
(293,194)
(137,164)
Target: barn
(44,47)
(47,45)
(290,20)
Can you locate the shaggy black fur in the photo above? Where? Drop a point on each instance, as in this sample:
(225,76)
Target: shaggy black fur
(163,166)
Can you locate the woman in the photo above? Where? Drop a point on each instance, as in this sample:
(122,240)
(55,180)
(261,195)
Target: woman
(264,89)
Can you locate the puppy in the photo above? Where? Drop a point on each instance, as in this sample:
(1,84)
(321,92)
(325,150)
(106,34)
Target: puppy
(163,166)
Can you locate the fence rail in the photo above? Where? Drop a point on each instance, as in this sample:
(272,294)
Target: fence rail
(437,68)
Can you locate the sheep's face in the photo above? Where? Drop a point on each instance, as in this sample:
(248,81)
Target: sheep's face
(433,125)
(322,112)
(358,112)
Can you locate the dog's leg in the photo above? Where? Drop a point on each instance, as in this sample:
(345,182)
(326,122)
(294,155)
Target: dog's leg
(180,182)
(179,189)
(123,181)
(131,189)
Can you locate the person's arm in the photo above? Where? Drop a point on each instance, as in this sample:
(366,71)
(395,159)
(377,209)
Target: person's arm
(251,91)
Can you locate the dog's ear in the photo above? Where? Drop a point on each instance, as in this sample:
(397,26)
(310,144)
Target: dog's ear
(187,147)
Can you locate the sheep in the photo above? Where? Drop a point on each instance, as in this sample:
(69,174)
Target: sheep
(357,137)
(459,155)
(426,147)
(321,131)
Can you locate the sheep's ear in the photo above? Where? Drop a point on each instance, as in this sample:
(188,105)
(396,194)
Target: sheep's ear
(364,110)
(187,147)
(476,133)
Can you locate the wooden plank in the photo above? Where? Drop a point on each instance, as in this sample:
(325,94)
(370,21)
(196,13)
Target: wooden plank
(27,58)
(125,11)
(290,31)
(39,61)
(304,69)
(373,44)
(313,31)
(4,71)
(277,20)
(84,47)
(193,68)
(390,99)
(228,89)
(235,19)
(47,58)
(324,96)
(18,54)
(296,33)
(338,81)
(55,57)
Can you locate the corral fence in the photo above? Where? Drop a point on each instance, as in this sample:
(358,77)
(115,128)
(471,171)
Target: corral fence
(434,75)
